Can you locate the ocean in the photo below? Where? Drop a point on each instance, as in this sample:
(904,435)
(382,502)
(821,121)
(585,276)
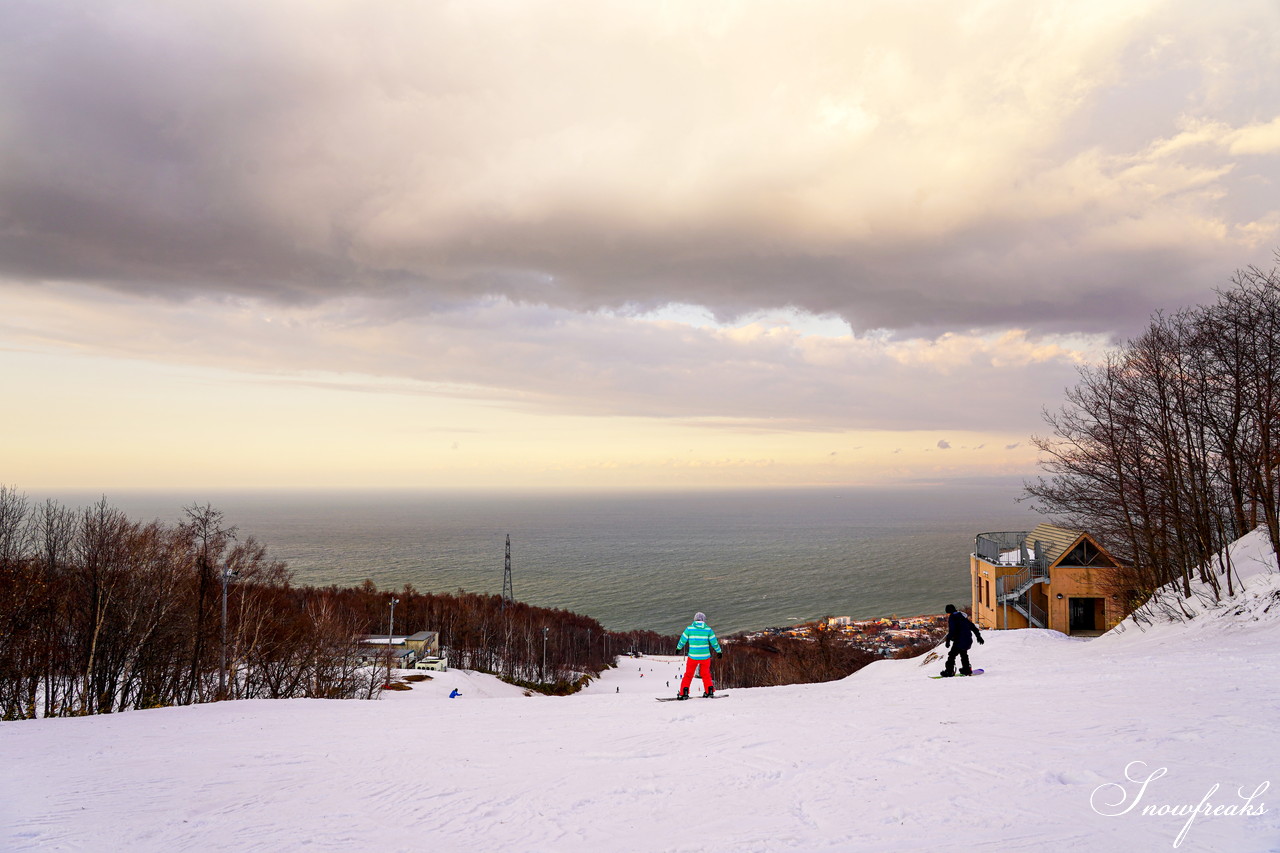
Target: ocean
(748,559)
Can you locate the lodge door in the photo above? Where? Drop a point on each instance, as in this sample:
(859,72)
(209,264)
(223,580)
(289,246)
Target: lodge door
(1082,610)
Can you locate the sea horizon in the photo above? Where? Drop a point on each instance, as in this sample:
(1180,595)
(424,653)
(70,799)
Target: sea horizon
(749,558)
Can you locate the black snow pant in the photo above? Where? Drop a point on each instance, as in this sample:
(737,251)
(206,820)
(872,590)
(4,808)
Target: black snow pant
(963,654)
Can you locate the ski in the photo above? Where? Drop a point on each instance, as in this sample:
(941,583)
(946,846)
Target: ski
(677,699)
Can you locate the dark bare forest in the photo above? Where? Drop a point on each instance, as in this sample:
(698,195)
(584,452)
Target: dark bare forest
(100,613)
(1170,450)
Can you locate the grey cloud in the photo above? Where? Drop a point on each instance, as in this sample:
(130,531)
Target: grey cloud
(431,157)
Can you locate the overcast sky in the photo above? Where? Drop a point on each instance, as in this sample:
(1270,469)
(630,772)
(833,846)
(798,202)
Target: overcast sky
(599,244)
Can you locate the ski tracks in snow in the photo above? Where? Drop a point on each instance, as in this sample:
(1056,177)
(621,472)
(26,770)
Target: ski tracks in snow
(884,760)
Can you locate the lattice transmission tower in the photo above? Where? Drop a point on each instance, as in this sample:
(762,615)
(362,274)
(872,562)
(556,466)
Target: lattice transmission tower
(507,593)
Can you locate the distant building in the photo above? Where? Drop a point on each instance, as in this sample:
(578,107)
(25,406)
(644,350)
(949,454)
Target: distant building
(425,643)
(375,654)
(427,646)
(1051,578)
(412,651)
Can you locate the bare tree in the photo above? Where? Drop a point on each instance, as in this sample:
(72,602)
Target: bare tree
(1170,450)
(209,540)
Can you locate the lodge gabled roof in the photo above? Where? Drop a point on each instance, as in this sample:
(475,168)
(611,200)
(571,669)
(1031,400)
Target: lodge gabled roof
(1067,547)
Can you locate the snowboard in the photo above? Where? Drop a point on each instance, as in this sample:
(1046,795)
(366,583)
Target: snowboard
(958,675)
(691,698)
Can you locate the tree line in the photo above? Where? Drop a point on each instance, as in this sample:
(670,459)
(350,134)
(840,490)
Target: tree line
(1170,449)
(100,613)
(546,649)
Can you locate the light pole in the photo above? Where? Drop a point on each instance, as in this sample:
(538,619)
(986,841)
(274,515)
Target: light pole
(227,575)
(544,655)
(391,629)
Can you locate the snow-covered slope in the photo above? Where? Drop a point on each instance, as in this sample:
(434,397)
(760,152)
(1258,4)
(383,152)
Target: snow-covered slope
(1040,753)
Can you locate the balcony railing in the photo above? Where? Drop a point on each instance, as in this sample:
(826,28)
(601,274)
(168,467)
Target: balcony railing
(1031,560)
(1011,548)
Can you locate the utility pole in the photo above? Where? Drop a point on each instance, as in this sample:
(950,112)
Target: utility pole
(227,575)
(544,655)
(391,630)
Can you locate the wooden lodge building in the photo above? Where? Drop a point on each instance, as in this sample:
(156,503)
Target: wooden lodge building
(1051,578)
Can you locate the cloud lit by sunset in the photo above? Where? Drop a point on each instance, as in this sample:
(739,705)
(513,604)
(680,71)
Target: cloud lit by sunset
(588,245)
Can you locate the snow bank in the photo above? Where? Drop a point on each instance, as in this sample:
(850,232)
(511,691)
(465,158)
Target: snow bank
(1255,582)
(1048,749)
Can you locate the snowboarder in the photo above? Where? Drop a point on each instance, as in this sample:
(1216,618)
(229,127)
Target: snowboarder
(455,694)
(700,639)
(960,635)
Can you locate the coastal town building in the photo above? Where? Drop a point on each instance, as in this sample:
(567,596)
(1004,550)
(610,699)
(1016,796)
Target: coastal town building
(425,643)
(412,651)
(374,652)
(1051,577)
(884,636)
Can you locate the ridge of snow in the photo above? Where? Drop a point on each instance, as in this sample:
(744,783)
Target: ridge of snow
(1255,583)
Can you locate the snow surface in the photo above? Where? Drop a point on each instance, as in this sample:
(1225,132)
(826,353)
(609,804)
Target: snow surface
(1036,754)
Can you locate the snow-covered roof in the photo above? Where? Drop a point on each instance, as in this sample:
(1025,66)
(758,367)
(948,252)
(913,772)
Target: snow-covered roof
(383,639)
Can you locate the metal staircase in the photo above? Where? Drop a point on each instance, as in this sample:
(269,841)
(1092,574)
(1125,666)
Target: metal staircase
(1011,590)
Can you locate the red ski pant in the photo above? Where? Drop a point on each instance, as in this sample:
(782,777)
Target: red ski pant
(702,667)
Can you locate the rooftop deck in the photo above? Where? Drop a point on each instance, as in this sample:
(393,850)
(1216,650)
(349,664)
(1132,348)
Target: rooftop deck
(1037,549)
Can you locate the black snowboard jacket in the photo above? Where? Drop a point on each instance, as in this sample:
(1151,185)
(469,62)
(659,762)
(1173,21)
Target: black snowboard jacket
(960,631)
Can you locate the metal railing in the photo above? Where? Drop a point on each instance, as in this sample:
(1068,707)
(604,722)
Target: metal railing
(999,549)
(1012,586)
(1012,549)
(1036,616)
(993,546)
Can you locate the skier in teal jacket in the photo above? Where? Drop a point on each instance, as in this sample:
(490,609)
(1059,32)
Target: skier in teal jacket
(700,639)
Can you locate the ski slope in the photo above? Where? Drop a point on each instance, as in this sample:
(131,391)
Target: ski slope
(1037,754)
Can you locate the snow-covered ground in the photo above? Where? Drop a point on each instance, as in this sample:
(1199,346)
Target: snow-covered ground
(1048,750)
